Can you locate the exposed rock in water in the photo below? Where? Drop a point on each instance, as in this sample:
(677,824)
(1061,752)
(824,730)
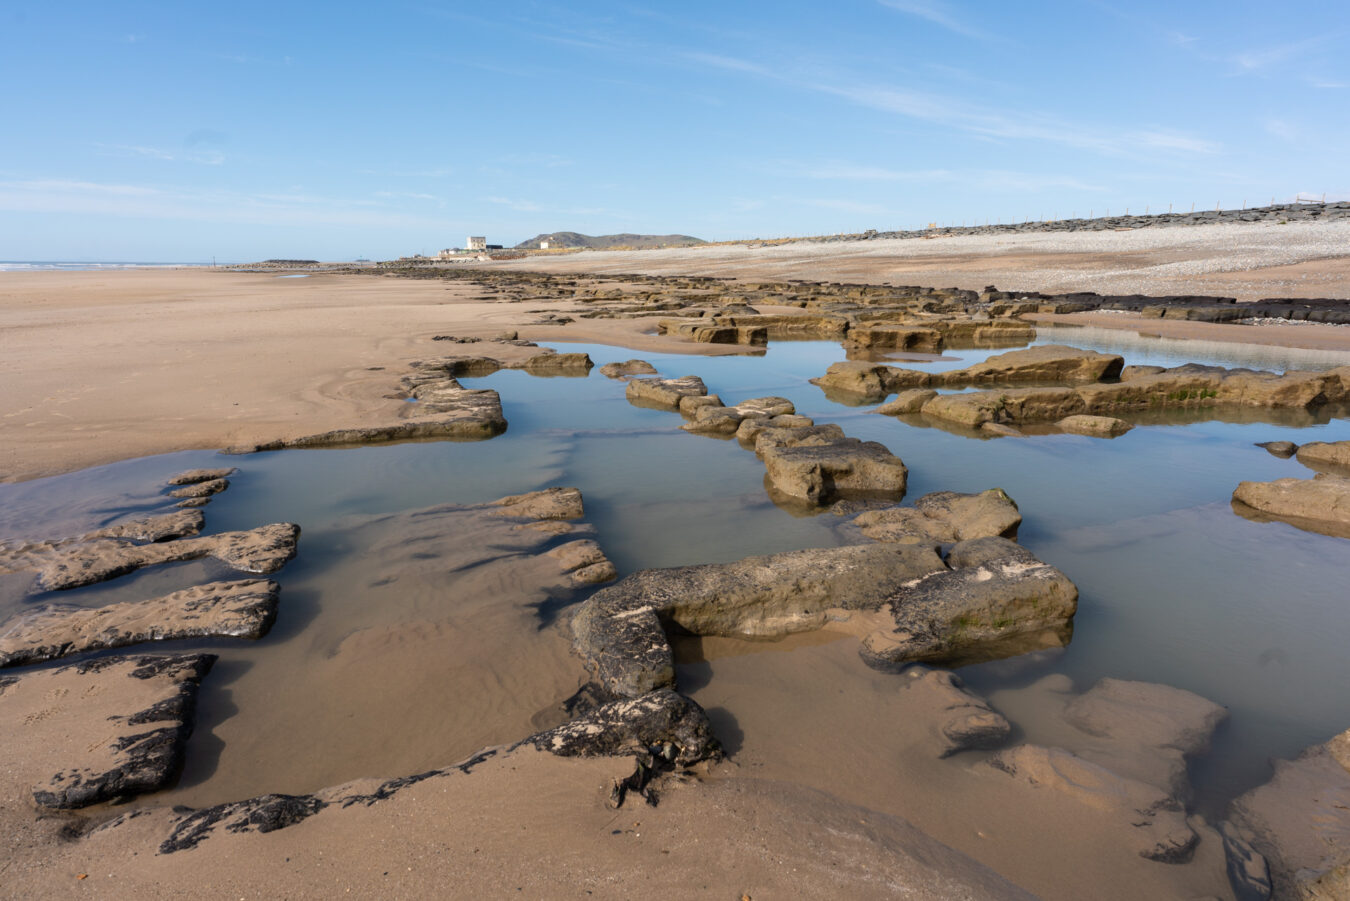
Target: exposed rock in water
(193,476)
(1329,457)
(997,599)
(1299,822)
(16,556)
(966,721)
(821,474)
(244,609)
(201,489)
(548,504)
(629,367)
(119,730)
(619,630)
(262,550)
(1320,504)
(908,401)
(1282,449)
(1094,426)
(1157,821)
(901,598)
(944,517)
(664,394)
(1045,363)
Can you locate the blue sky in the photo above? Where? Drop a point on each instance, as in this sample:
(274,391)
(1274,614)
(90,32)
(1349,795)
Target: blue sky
(176,131)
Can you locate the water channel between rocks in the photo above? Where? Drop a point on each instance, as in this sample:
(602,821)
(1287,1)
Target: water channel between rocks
(384,662)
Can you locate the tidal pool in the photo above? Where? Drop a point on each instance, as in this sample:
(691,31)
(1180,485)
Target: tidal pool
(1175,588)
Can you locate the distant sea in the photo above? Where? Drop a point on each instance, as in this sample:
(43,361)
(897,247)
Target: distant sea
(67,266)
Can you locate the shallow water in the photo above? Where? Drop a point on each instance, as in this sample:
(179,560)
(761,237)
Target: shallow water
(1175,587)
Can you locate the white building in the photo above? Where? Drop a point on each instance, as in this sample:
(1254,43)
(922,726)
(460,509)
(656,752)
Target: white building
(543,245)
(476,243)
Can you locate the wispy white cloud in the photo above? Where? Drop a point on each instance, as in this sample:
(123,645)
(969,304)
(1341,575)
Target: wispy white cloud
(205,157)
(973,118)
(522,206)
(1281,129)
(1264,57)
(847,206)
(65,195)
(938,13)
(985,179)
(406,195)
(408,173)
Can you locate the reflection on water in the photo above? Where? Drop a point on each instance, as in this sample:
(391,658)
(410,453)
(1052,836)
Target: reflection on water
(1153,350)
(1175,588)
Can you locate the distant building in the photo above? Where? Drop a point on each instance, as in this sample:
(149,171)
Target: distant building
(476,243)
(493,247)
(543,245)
(448,254)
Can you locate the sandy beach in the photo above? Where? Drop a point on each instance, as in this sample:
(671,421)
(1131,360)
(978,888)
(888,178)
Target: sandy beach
(108,366)
(102,366)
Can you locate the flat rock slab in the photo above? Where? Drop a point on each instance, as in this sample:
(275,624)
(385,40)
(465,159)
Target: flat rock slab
(944,517)
(243,609)
(102,730)
(998,599)
(443,409)
(1320,504)
(1094,426)
(193,476)
(1155,822)
(822,474)
(1300,823)
(205,488)
(262,550)
(664,394)
(17,556)
(1329,457)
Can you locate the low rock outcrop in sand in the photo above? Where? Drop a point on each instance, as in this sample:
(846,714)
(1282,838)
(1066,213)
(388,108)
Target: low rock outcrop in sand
(243,609)
(108,729)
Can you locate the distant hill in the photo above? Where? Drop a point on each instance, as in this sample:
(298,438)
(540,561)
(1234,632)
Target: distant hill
(607,242)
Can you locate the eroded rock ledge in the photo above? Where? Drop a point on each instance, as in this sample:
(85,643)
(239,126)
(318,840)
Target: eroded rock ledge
(243,609)
(907,604)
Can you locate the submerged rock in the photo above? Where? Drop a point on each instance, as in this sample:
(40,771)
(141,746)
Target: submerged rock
(1282,449)
(244,609)
(1156,820)
(1146,730)
(16,556)
(965,722)
(115,727)
(1299,822)
(1320,504)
